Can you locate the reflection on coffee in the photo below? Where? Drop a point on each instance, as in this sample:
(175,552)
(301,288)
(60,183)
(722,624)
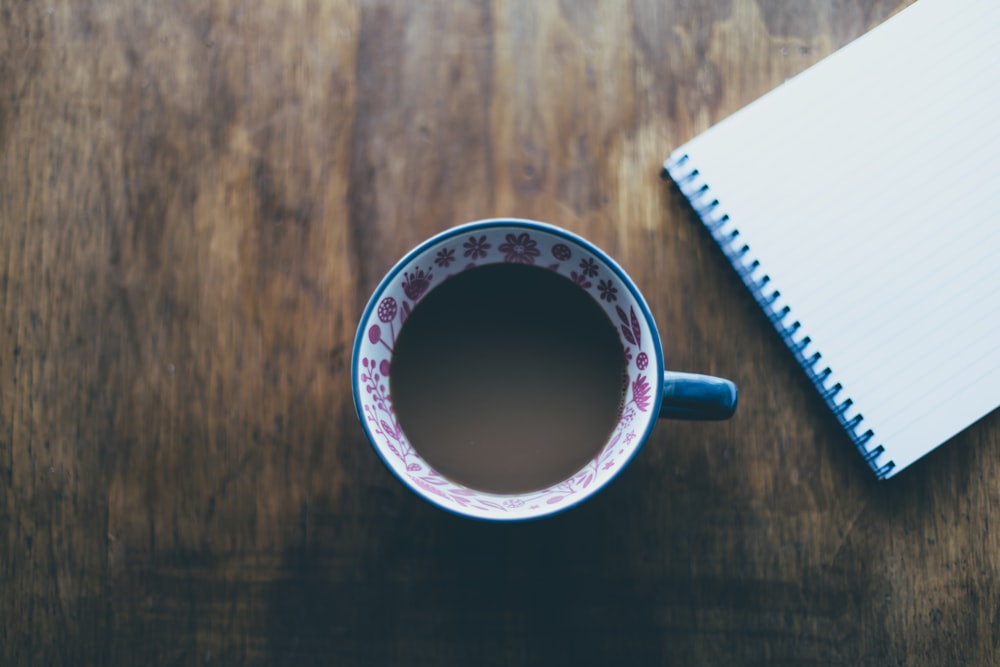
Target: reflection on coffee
(507,378)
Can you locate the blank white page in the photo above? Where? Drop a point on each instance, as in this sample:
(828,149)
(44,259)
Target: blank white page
(867,189)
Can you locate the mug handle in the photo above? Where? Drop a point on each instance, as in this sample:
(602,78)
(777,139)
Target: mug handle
(697,397)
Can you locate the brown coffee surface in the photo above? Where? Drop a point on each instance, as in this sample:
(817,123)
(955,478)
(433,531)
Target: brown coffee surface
(507,378)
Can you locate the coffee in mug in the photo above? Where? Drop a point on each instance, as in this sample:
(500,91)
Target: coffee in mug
(507,378)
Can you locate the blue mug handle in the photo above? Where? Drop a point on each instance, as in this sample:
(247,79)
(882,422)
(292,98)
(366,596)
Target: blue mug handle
(697,397)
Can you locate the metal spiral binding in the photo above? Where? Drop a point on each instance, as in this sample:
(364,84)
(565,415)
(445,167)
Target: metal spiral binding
(687,180)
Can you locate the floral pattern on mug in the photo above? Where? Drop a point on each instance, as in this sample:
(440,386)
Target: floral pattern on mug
(607,291)
(475,248)
(580,279)
(445,257)
(588,267)
(561,252)
(387,309)
(416,283)
(520,248)
(489,245)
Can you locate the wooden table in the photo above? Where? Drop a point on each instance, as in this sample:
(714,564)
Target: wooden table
(195,203)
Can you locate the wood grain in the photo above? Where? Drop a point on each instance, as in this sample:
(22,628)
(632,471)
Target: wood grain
(196,201)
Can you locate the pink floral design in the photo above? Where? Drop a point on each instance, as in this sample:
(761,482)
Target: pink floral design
(642,361)
(386,314)
(379,411)
(580,279)
(387,309)
(640,393)
(588,267)
(561,252)
(607,291)
(628,414)
(520,249)
(416,283)
(429,487)
(375,337)
(445,257)
(476,248)
(630,327)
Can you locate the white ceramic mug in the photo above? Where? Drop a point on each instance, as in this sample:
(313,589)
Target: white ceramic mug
(651,392)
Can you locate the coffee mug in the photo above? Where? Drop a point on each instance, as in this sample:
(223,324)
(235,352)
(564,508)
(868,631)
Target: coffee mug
(647,391)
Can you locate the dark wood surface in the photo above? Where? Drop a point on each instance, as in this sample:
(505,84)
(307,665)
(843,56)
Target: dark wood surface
(196,201)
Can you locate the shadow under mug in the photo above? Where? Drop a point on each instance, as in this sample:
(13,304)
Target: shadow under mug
(651,391)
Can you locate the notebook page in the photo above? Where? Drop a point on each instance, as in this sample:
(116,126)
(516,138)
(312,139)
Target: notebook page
(868,188)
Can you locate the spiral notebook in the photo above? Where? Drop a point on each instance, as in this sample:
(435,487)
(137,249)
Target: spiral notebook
(860,204)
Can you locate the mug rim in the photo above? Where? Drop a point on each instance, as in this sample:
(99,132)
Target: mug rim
(514,223)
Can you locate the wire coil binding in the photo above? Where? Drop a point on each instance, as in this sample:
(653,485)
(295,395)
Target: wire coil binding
(688,181)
